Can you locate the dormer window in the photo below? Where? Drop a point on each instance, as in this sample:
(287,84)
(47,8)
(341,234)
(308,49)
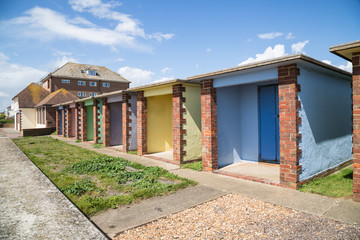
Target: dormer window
(91,72)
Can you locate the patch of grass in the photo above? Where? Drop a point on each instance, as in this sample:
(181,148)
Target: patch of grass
(132,152)
(78,141)
(338,184)
(98,145)
(197,166)
(96,182)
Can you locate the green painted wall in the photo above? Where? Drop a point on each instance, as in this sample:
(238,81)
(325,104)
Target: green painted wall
(89,123)
(100,120)
(192,126)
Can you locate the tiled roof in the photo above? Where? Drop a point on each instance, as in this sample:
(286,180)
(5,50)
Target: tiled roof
(79,71)
(59,96)
(31,95)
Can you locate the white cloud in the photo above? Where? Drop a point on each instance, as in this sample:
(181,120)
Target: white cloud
(299,47)
(2,94)
(347,67)
(208,50)
(277,51)
(14,78)
(197,66)
(126,25)
(120,59)
(271,35)
(290,36)
(46,24)
(61,61)
(166,69)
(137,76)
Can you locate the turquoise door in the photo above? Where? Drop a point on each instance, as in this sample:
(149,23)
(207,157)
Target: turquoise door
(269,123)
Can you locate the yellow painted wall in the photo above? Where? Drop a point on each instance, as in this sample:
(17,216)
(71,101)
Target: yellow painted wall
(28,117)
(192,115)
(159,123)
(157,91)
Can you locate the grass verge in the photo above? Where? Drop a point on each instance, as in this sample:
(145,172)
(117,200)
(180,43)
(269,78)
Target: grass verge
(338,184)
(96,182)
(197,166)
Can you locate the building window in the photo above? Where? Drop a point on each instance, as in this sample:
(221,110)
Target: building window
(92,84)
(92,94)
(81,83)
(81,94)
(91,72)
(65,81)
(105,84)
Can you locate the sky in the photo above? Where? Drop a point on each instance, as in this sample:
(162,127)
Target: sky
(147,41)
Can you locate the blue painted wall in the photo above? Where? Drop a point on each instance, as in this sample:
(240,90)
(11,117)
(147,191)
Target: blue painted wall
(133,117)
(238,130)
(326,127)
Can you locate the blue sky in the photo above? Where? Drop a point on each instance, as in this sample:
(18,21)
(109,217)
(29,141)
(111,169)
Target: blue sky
(148,41)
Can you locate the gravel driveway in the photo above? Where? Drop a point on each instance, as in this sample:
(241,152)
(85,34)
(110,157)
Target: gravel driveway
(236,217)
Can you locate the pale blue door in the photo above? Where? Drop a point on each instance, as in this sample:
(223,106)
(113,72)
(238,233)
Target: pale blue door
(269,123)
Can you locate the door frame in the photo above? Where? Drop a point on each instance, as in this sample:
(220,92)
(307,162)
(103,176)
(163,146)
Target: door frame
(277,127)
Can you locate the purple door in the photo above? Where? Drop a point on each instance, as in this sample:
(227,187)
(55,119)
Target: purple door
(115,123)
(73,130)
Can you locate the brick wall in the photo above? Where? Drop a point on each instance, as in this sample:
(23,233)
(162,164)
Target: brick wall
(356,125)
(50,117)
(106,123)
(74,88)
(58,121)
(178,121)
(289,125)
(209,126)
(64,121)
(69,122)
(141,123)
(83,122)
(126,121)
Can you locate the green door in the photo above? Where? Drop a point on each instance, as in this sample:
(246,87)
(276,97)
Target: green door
(90,123)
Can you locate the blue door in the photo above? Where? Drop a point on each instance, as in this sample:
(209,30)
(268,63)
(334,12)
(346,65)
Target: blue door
(269,123)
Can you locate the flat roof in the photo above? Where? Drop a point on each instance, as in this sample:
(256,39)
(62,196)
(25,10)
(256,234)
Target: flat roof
(159,84)
(345,50)
(268,63)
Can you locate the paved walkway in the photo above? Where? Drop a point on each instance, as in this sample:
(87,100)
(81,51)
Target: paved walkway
(31,207)
(342,210)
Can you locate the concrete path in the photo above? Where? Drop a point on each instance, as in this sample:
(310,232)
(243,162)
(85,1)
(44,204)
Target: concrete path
(342,210)
(31,207)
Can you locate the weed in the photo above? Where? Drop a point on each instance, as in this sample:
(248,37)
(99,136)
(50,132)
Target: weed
(197,166)
(78,141)
(98,145)
(79,188)
(132,152)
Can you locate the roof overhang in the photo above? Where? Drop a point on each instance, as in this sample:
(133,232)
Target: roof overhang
(161,84)
(346,50)
(267,64)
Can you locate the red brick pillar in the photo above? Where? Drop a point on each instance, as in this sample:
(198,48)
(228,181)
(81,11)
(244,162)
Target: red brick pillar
(95,121)
(356,125)
(106,123)
(126,121)
(20,119)
(57,121)
(69,123)
(83,122)
(178,121)
(63,121)
(289,125)
(141,123)
(77,125)
(209,126)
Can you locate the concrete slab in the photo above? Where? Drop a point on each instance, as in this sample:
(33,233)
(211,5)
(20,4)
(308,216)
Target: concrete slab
(31,207)
(114,221)
(345,211)
(259,170)
(10,132)
(167,156)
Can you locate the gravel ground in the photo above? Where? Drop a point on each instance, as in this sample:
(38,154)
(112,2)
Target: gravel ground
(236,217)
